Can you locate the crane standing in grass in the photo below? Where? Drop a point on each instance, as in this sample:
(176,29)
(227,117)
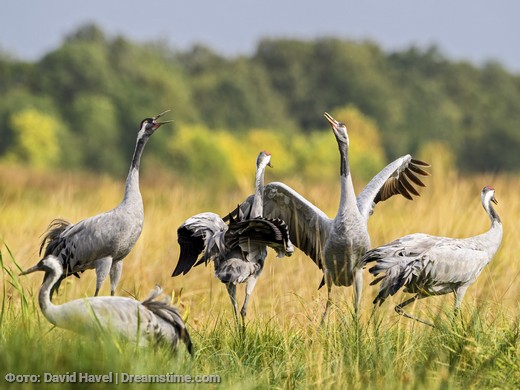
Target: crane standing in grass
(238,249)
(146,323)
(428,265)
(336,245)
(101,242)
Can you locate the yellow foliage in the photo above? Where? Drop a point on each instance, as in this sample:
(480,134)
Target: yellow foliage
(204,154)
(36,139)
(317,156)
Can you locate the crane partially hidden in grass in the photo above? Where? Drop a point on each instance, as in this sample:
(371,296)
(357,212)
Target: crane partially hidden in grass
(102,242)
(147,323)
(428,265)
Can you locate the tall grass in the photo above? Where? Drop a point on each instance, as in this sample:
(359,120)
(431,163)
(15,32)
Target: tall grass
(283,345)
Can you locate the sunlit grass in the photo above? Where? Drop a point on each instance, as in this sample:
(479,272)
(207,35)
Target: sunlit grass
(283,345)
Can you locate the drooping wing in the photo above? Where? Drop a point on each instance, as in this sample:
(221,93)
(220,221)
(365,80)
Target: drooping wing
(398,177)
(260,232)
(197,234)
(308,225)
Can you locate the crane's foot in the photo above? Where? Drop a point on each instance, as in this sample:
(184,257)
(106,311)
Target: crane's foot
(401,312)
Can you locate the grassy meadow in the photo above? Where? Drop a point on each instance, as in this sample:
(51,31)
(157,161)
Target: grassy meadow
(283,345)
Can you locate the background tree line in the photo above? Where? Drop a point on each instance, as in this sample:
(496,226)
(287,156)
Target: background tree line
(78,107)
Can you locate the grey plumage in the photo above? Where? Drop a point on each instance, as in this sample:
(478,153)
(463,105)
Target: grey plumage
(238,248)
(146,323)
(337,244)
(101,242)
(428,265)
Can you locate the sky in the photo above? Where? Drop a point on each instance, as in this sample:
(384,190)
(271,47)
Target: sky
(472,30)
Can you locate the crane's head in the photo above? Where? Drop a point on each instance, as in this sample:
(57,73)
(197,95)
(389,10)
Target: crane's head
(50,265)
(339,128)
(149,125)
(488,195)
(264,159)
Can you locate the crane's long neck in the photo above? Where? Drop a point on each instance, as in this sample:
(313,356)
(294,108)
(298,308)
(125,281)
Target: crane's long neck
(132,193)
(347,202)
(49,310)
(493,237)
(257,210)
(493,215)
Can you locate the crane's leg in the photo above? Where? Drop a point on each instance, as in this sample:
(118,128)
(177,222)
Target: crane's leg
(250,286)
(459,295)
(102,267)
(328,283)
(232,291)
(358,288)
(115,275)
(400,311)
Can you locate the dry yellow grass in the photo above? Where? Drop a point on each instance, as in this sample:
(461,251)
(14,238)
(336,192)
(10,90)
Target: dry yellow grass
(287,290)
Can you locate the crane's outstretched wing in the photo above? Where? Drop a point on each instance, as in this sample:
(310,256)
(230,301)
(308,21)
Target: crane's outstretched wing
(394,179)
(202,232)
(308,225)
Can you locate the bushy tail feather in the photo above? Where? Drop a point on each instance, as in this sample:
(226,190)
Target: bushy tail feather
(397,274)
(50,239)
(170,315)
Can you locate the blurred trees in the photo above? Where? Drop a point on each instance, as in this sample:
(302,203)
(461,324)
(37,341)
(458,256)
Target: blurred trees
(35,139)
(80,105)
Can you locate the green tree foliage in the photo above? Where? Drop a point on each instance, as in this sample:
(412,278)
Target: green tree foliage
(96,133)
(241,88)
(99,88)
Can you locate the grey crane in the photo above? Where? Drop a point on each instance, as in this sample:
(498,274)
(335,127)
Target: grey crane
(238,249)
(428,265)
(336,245)
(101,242)
(146,323)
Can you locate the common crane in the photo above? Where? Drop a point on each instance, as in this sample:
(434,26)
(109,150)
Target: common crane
(145,323)
(238,249)
(101,242)
(336,245)
(428,265)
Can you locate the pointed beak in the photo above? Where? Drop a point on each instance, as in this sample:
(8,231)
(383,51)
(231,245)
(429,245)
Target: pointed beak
(494,200)
(269,164)
(31,270)
(159,124)
(334,124)
(161,114)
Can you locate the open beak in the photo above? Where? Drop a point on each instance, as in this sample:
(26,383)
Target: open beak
(158,124)
(332,121)
(37,267)
(269,164)
(494,200)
